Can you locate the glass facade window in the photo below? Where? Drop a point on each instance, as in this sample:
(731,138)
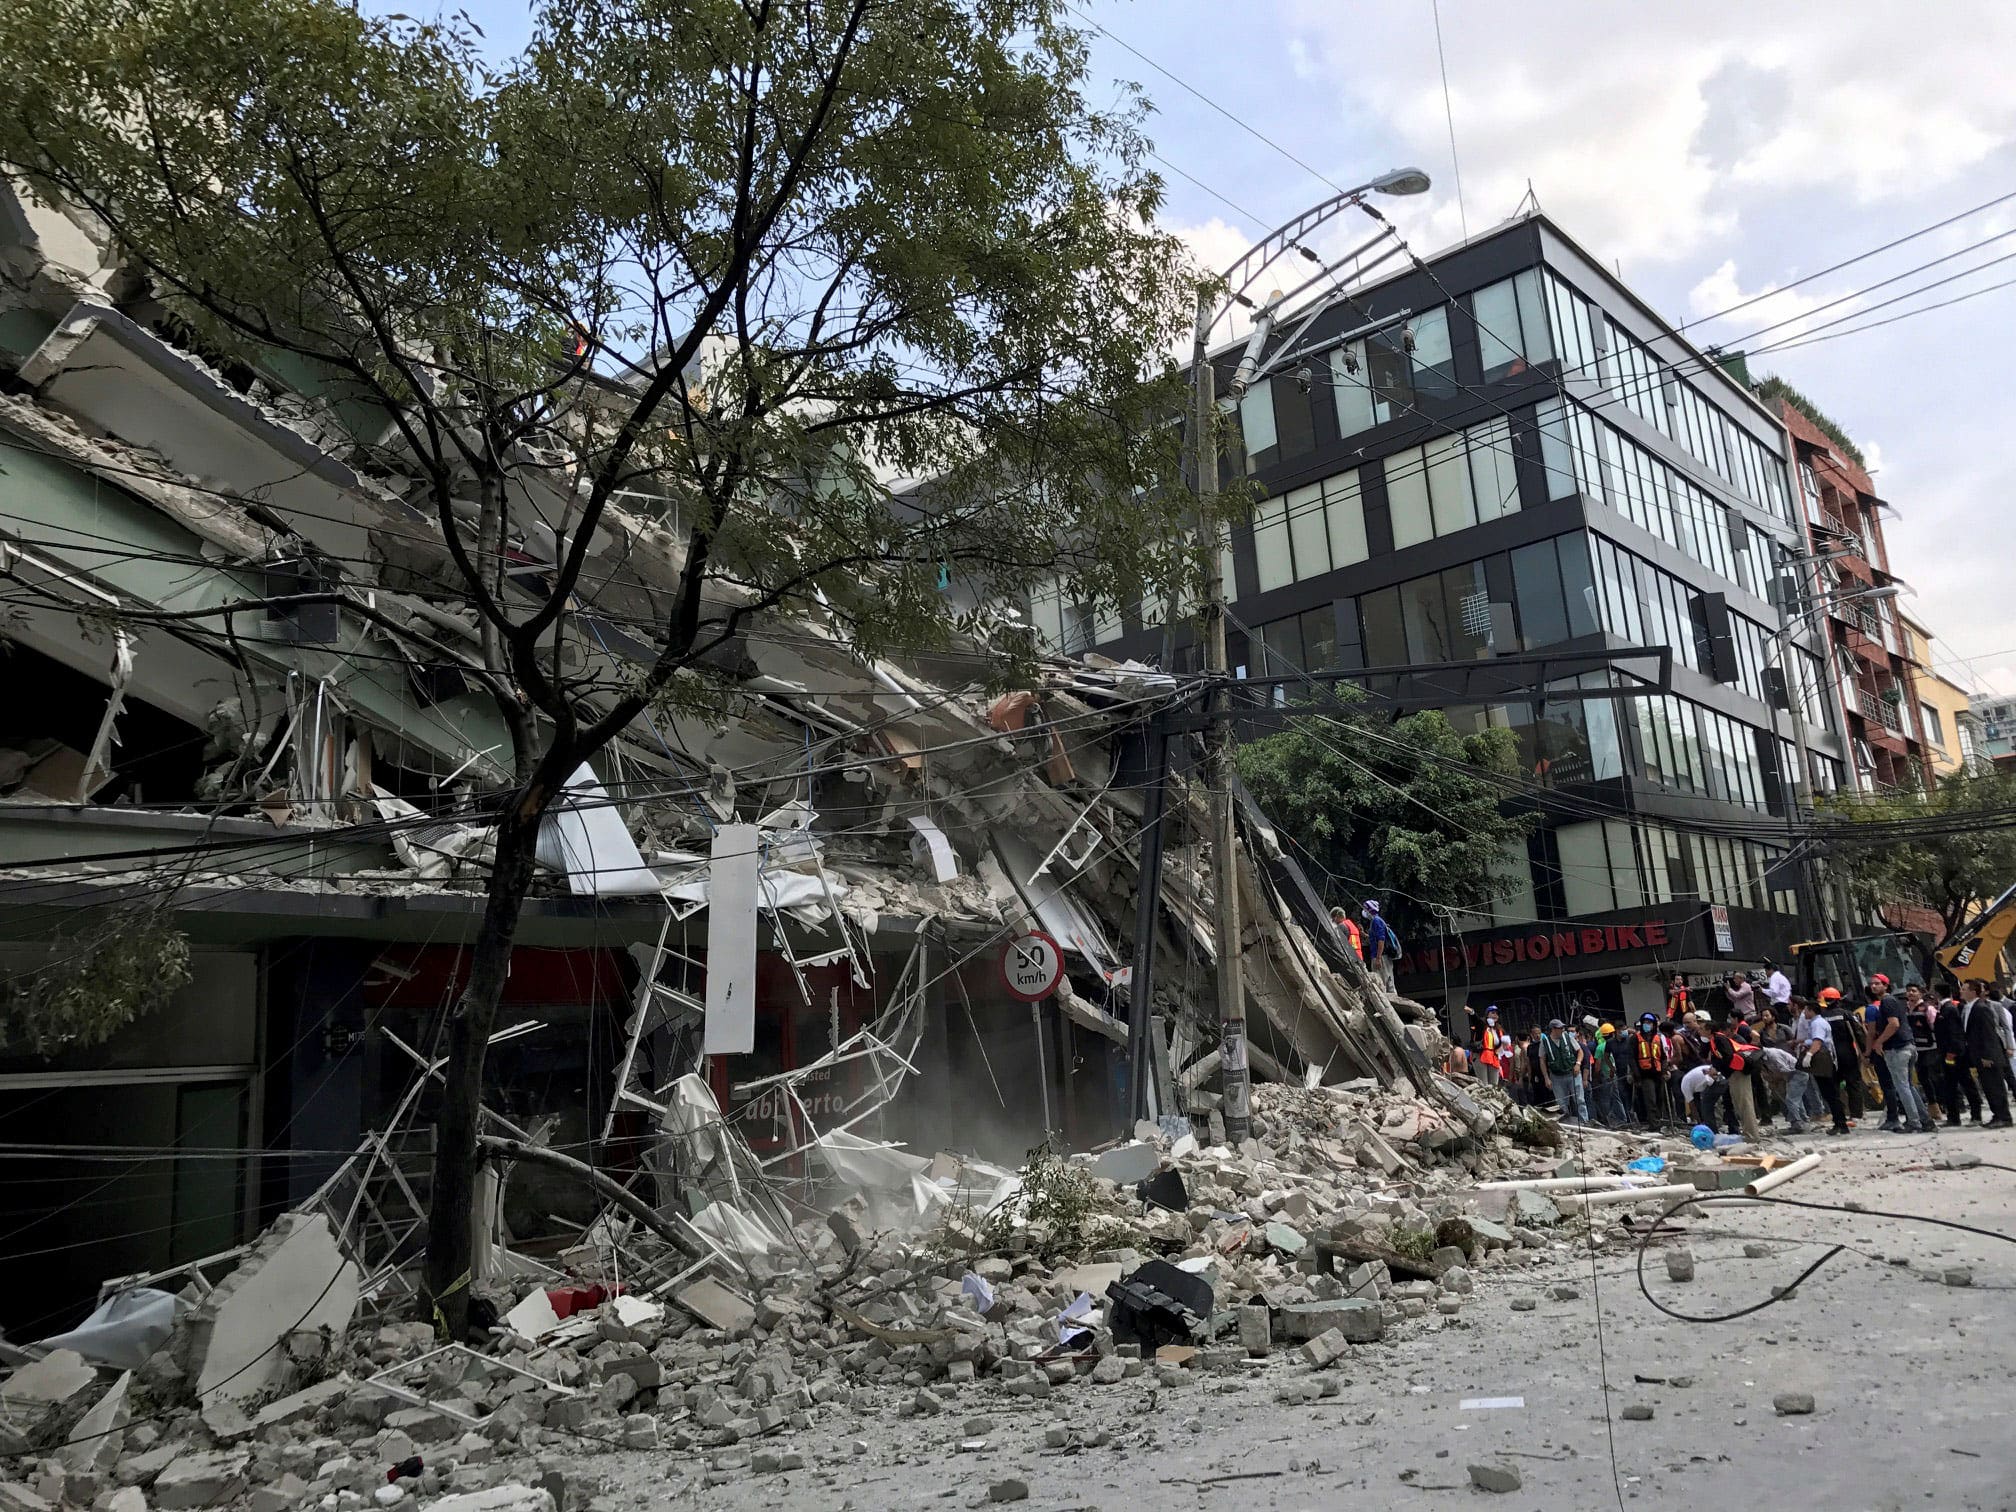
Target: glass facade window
(1305,642)
(1574,331)
(1451,483)
(1309,531)
(1512,333)
(1389,372)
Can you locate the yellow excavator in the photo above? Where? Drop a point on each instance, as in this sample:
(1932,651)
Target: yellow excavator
(1972,953)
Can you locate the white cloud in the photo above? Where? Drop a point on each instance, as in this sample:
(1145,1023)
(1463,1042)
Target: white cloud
(1650,130)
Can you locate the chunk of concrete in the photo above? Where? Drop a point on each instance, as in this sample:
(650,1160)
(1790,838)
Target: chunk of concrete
(1323,1351)
(1680,1264)
(1284,1240)
(1498,1478)
(1255,1330)
(716,1306)
(1793,1403)
(95,1443)
(296,1280)
(201,1480)
(305,1403)
(534,1317)
(1128,1163)
(512,1497)
(1533,1210)
(58,1379)
(39,1395)
(1358,1319)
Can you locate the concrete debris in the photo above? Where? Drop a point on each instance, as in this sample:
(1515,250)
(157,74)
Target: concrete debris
(1793,1403)
(1958,1275)
(39,1397)
(1680,1264)
(94,1445)
(1499,1478)
(296,1282)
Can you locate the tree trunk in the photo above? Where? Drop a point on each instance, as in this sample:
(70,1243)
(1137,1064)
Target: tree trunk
(444,1293)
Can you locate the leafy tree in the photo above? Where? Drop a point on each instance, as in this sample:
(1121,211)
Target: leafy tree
(708,270)
(1948,849)
(1407,811)
(119,970)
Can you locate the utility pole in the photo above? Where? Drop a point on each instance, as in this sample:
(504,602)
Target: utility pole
(1289,237)
(1234,1077)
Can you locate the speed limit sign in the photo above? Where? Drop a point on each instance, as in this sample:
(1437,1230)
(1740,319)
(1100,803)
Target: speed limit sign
(1032,966)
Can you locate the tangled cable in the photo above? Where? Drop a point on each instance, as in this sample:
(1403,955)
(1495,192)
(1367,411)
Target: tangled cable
(1786,1293)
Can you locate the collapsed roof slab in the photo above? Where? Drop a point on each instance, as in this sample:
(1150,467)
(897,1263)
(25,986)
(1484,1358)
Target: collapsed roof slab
(110,371)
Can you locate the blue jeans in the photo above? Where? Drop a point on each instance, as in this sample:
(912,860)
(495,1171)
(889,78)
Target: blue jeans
(1802,1100)
(1568,1099)
(1911,1109)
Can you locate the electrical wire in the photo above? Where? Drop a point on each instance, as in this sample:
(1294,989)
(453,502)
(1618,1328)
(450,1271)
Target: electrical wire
(1786,1293)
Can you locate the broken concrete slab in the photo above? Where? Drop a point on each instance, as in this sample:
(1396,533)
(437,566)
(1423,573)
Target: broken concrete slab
(95,1443)
(1680,1264)
(296,1281)
(1127,1164)
(201,1480)
(305,1403)
(1793,1403)
(40,1395)
(1358,1319)
(716,1306)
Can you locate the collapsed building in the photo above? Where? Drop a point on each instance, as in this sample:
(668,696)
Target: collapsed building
(285,797)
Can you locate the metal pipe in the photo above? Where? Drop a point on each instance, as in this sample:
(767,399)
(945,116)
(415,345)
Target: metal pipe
(1782,1175)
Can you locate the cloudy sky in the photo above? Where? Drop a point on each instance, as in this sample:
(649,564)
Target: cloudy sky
(1713,151)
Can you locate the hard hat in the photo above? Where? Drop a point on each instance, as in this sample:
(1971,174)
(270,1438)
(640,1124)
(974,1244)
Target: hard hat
(1830,994)
(1607,1029)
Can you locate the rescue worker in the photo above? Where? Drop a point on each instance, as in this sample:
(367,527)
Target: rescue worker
(1734,1057)
(1647,1058)
(1564,1058)
(1494,1047)
(1348,927)
(1846,1037)
(1605,1081)
(1381,946)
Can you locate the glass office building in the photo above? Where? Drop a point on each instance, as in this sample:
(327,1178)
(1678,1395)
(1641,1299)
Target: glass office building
(1506,451)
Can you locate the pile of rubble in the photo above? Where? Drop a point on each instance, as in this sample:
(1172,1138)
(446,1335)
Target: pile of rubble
(1353,1212)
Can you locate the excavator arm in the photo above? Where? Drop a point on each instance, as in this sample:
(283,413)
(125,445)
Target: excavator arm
(1973,952)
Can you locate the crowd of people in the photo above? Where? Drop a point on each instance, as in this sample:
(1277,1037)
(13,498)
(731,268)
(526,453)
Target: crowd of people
(1916,1055)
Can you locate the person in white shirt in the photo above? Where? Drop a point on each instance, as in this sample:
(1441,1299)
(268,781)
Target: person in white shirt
(1695,1084)
(1777,986)
(1813,1043)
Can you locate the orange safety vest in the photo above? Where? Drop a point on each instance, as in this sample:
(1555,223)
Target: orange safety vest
(1651,1052)
(1493,1038)
(1350,927)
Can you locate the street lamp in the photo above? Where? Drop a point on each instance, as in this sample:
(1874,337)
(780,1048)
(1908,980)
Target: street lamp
(1236,281)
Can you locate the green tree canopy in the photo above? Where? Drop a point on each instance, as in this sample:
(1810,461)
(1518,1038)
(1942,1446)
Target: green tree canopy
(1406,811)
(1948,849)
